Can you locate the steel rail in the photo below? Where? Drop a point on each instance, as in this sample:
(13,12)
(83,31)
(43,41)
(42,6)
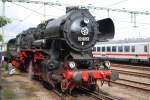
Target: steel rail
(146,84)
(146,75)
(131,66)
(98,95)
(132,86)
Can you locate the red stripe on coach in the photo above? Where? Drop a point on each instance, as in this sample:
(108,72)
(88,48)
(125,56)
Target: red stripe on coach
(119,54)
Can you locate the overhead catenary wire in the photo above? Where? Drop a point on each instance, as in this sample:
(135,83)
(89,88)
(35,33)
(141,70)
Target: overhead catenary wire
(102,8)
(90,6)
(116,3)
(26,17)
(33,11)
(42,14)
(130,22)
(28,9)
(126,28)
(135,13)
(57,8)
(123,20)
(145,29)
(109,10)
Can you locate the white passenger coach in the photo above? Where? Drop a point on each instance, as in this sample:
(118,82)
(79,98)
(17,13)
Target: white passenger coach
(134,51)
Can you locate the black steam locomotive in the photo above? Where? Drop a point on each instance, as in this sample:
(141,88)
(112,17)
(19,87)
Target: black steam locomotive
(60,50)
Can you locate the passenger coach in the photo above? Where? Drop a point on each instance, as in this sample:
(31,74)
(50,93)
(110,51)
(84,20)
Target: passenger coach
(134,51)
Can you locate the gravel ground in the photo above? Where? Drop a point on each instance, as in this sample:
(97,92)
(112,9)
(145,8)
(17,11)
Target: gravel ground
(21,88)
(125,93)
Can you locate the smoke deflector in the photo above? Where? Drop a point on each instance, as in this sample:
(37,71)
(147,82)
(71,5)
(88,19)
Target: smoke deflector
(106,29)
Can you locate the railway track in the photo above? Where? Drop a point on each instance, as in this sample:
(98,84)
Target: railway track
(136,71)
(95,95)
(131,66)
(98,95)
(141,83)
(132,70)
(133,84)
(146,75)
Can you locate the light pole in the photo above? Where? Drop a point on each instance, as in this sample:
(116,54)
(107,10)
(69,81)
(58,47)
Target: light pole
(3,14)
(3,32)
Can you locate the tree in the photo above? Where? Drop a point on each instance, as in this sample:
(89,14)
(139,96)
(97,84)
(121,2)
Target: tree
(4,21)
(1,38)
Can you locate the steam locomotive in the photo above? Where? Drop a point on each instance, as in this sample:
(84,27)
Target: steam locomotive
(60,50)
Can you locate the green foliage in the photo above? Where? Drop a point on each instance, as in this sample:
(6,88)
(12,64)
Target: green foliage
(8,94)
(1,38)
(4,21)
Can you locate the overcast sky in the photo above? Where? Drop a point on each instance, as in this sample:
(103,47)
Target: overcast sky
(23,18)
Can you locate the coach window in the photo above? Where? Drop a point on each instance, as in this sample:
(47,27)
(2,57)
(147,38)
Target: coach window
(145,48)
(94,49)
(98,49)
(103,49)
(108,49)
(133,49)
(113,48)
(127,48)
(120,49)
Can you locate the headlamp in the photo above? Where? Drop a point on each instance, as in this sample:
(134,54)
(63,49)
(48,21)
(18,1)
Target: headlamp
(72,65)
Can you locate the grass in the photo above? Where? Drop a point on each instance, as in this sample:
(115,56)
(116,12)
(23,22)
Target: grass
(0,92)
(8,94)
(5,92)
